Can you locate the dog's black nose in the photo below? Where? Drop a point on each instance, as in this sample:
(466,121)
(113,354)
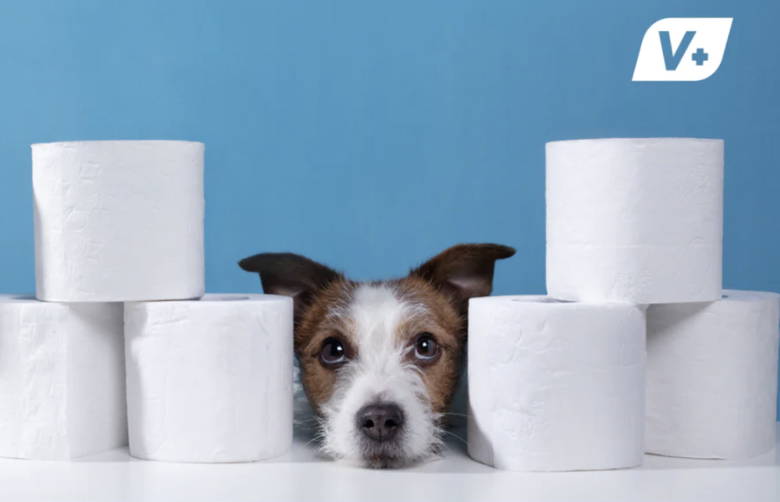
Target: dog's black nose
(381,421)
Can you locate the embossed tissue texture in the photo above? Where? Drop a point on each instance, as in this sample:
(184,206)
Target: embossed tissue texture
(637,220)
(118,220)
(62,379)
(210,380)
(712,376)
(555,386)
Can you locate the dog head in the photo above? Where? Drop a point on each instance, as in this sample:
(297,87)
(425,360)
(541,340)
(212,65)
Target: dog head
(380,360)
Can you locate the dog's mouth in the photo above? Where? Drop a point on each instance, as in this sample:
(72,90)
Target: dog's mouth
(380,435)
(384,455)
(381,426)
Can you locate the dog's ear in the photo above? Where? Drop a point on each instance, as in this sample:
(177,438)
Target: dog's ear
(290,275)
(465,270)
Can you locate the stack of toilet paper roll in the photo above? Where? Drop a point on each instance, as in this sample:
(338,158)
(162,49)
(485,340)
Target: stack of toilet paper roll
(198,378)
(636,348)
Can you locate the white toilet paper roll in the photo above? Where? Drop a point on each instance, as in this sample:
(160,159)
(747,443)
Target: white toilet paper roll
(555,386)
(712,376)
(210,380)
(118,220)
(62,379)
(637,220)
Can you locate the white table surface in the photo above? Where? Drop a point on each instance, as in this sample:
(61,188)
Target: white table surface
(302,476)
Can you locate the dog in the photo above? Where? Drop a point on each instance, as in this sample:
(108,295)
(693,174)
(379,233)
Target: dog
(380,360)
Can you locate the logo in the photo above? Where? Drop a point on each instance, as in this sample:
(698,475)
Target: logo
(682,49)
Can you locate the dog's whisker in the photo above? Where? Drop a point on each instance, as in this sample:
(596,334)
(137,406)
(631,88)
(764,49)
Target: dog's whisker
(312,440)
(448,433)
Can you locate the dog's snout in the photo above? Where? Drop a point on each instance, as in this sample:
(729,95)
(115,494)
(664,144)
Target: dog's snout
(381,421)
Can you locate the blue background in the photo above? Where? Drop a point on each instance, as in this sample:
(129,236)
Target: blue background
(370,135)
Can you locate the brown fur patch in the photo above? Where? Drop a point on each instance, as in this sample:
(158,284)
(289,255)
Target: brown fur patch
(440,318)
(319,321)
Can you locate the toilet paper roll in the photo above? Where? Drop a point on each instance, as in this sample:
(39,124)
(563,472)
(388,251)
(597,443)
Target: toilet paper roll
(555,386)
(118,220)
(62,379)
(712,376)
(210,380)
(636,220)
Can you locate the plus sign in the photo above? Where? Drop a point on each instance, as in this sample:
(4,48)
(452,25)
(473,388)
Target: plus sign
(700,56)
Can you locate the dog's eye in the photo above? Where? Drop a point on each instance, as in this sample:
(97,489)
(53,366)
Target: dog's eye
(426,350)
(333,352)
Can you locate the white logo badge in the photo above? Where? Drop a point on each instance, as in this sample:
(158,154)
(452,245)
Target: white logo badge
(682,49)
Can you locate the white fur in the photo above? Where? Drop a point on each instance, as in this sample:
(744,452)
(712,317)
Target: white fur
(379,373)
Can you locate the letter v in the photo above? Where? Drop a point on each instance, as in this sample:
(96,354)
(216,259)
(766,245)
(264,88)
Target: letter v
(672,60)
